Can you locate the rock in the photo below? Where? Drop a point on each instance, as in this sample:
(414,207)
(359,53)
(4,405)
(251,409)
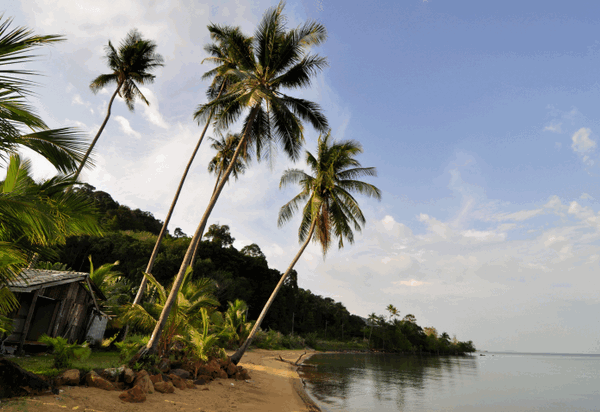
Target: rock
(133,395)
(16,381)
(164,365)
(143,381)
(231,369)
(70,377)
(181,373)
(178,382)
(203,380)
(214,367)
(190,384)
(128,375)
(164,387)
(156,378)
(93,380)
(244,374)
(222,374)
(112,374)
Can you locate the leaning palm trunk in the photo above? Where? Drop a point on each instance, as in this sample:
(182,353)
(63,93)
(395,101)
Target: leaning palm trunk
(89,151)
(237,356)
(152,346)
(193,259)
(140,293)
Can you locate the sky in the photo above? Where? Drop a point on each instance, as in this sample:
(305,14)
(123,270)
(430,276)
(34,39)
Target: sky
(482,119)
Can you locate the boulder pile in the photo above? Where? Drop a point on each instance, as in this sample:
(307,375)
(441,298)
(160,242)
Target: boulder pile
(164,378)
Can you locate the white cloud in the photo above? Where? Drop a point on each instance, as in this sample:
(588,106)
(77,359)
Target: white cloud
(126,127)
(151,112)
(553,127)
(582,142)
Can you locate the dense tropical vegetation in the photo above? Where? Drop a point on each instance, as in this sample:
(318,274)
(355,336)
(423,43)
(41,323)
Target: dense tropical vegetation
(194,295)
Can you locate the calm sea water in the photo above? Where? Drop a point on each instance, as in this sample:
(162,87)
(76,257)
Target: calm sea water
(494,382)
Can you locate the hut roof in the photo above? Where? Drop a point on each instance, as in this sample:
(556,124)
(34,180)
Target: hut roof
(33,279)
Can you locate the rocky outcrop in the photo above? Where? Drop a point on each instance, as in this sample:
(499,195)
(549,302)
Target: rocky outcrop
(164,387)
(142,380)
(181,373)
(178,382)
(133,395)
(70,377)
(93,380)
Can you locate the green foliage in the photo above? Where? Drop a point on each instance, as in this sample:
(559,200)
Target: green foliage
(64,352)
(277,340)
(131,345)
(220,235)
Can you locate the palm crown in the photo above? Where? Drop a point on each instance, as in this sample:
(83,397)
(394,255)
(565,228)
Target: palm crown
(330,210)
(130,64)
(275,59)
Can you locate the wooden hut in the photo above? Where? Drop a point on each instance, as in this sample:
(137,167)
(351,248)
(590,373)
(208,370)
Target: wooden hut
(56,303)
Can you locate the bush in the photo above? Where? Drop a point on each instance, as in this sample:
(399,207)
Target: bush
(276,340)
(131,346)
(64,352)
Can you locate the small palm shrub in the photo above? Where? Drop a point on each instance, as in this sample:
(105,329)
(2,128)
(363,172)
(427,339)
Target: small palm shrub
(64,352)
(130,346)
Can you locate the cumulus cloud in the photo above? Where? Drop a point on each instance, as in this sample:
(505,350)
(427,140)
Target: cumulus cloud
(581,141)
(126,127)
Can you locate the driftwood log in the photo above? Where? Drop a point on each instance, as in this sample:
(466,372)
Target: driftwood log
(16,381)
(296,363)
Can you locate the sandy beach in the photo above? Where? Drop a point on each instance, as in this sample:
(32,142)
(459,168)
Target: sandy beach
(274,386)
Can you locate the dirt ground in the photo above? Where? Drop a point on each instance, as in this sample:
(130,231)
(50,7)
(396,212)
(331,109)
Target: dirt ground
(274,386)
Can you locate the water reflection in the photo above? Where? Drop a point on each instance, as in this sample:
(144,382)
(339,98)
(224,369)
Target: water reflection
(393,382)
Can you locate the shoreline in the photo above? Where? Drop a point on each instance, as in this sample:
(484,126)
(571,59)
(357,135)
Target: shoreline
(273,386)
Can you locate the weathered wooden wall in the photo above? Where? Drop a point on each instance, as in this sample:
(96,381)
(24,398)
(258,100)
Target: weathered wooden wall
(63,310)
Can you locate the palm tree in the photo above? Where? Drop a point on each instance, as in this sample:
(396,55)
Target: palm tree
(19,123)
(225,148)
(221,80)
(275,60)
(187,314)
(330,210)
(131,64)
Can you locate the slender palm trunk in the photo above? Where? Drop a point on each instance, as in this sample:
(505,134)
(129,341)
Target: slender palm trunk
(237,356)
(89,151)
(163,230)
(140,293)
(193,259)
(152,346)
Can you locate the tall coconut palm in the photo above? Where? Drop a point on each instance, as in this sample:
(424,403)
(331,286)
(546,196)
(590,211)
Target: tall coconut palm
(131,65)
(220,81)
(330,210)
(275,60)
(19,123)
(225,147)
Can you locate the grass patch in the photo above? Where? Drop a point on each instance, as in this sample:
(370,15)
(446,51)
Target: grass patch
(44,364)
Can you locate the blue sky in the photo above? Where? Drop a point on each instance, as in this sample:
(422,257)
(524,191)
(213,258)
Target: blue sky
(482,119)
